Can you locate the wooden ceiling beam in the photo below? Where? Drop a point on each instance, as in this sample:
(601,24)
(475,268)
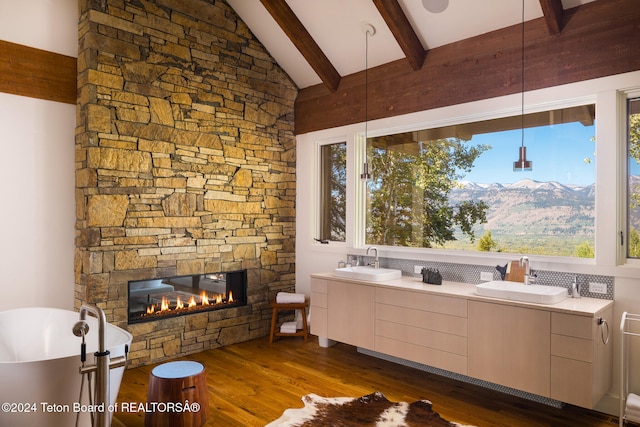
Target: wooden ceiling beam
(553,15)
(298,34)
(600,38)
(401,29)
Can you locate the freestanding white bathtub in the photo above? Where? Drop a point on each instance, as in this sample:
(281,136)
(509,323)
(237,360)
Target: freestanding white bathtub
(39,366)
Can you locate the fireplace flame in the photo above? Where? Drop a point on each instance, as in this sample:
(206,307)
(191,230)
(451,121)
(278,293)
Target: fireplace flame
(175,305)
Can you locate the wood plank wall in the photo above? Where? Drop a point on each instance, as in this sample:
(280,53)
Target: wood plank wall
(598,39)
(36,73)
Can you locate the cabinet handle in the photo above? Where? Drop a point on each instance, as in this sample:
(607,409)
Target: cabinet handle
(602,322)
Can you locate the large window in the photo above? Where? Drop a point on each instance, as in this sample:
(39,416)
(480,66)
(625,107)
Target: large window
(633,186)
(456,187)
(333,193)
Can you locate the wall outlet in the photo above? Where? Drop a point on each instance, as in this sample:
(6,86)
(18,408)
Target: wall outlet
(418,269)
(597,288)
(486,276)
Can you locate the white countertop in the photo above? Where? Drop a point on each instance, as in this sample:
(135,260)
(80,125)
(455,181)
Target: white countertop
(581,306)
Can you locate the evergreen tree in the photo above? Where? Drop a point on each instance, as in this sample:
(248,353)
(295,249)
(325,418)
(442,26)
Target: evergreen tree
(584,250)
(486,242)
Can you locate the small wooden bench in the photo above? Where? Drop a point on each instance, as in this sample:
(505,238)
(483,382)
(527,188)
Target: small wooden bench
(176,383)
(302,306)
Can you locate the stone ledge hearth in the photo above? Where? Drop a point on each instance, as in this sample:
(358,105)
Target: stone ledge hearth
(185,164)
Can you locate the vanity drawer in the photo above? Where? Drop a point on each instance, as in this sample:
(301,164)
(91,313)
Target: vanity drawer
(572,325)
(422,301)
(572,382)
(318,286)
(453,325)
(572,348)
(319,293)
(318,321)
(427,338)
(427,356)
(319,300)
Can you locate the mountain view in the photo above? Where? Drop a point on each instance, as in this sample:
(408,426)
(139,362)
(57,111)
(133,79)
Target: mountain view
(531,216)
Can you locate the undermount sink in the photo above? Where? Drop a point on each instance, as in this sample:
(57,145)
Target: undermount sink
(517,291)
(368,273)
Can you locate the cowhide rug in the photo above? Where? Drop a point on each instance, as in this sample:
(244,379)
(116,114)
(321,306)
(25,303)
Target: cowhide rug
(371,410)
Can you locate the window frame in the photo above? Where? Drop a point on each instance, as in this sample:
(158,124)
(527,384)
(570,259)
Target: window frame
(360,188)
(623,155)
(317,191)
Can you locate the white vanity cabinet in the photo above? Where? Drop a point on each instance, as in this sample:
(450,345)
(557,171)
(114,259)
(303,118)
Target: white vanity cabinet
(509,345)
(581,357)
(424,328)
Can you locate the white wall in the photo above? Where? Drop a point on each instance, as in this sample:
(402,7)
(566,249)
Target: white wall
(312,257)
(50,25)
(37,167)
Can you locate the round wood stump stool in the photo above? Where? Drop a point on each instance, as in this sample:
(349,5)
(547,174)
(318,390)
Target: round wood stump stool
(173,386)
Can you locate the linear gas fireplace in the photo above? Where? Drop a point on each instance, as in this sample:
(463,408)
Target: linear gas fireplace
(155,299)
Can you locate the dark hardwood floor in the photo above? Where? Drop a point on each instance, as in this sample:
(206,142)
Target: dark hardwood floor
(252,383)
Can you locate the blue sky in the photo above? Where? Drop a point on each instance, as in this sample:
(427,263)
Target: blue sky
(557,153)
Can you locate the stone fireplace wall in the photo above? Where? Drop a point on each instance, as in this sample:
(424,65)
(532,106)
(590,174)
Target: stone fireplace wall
(185,164)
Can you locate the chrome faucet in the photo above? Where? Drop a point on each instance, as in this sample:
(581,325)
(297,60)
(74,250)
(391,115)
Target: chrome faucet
(376,263)
(524,262)
(575,287)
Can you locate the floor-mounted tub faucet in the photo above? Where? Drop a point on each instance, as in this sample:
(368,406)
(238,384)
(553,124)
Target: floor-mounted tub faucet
(376,263)
(103,363)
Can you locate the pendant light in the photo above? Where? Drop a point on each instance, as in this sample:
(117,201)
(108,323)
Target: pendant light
(522,164)
(368,30)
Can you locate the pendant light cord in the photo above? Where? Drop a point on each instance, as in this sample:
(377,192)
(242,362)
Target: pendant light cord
(366,83)
(522,164)
(365,172)
(522,82)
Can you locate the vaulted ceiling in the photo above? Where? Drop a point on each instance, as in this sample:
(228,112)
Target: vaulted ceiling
(322,41)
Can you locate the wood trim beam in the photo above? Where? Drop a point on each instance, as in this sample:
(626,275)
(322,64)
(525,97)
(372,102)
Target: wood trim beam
(401,29)
(553,15)
(36,73)
(298,34)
